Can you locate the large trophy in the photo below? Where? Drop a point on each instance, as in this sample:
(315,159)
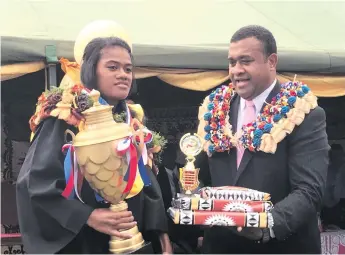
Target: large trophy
(104,166)
(190,145)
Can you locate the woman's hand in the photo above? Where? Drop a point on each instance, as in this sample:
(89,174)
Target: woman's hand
(110,223)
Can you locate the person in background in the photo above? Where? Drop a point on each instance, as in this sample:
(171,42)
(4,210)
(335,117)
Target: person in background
(168,175)
(332,214)
(335,177)
(185,238)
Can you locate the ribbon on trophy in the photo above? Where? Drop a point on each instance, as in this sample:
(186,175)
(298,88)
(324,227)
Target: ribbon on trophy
(74,177)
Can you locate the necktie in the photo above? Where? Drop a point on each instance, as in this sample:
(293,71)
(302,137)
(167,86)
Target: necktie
(248,115)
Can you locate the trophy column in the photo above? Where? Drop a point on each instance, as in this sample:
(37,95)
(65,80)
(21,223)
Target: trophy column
(119,245)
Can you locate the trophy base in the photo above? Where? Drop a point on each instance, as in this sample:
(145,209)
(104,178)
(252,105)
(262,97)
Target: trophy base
(131,245)
(146,248)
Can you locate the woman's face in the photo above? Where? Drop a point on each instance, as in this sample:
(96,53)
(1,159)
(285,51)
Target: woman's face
(114,73)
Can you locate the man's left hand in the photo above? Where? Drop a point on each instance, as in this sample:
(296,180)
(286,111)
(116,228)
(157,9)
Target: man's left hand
(254,234)
(165,244)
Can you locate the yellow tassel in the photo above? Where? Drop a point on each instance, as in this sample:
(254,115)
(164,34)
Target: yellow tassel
(138,111)
(32,136)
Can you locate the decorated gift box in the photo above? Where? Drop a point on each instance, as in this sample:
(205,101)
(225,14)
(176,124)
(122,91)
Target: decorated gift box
(222,206)
(235,219)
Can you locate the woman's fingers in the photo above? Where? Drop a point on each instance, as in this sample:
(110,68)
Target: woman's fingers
(120,235)
(115,222)
(119,215)
(126,225)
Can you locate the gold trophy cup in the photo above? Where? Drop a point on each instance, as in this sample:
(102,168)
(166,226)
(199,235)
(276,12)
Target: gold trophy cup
(191,146)
(103,167)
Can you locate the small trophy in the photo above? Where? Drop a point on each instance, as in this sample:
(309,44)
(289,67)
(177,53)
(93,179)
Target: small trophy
(191,146)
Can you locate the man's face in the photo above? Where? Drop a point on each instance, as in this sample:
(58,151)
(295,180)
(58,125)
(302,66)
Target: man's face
(250,70)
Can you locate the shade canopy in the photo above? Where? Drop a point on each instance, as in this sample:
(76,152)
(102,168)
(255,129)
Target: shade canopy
(183,34)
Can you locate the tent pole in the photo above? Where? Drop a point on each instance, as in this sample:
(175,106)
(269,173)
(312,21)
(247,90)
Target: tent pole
(51,61)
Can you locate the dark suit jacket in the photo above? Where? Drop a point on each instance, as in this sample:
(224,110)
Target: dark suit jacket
(295,177)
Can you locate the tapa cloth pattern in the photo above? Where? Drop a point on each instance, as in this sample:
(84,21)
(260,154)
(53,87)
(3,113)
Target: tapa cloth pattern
(233,193)
(197,203)
(230,219)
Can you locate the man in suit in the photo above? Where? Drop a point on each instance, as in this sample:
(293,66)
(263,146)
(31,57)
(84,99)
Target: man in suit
(295,175)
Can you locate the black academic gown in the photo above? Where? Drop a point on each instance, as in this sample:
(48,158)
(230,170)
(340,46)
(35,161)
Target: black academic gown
(48,222)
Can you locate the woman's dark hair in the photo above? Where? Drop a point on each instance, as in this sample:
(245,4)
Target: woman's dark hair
(92,54)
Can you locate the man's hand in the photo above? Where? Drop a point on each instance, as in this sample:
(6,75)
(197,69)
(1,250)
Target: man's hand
(165,244)
(109,222)
(254,234)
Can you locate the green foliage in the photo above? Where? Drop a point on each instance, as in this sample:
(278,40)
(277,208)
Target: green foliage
(157,140)
(52,91)
(120,117)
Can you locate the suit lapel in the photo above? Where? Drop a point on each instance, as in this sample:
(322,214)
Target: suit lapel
(247,155)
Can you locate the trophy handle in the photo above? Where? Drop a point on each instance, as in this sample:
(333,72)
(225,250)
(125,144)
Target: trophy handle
(69,132)
(139,144)
(95,95)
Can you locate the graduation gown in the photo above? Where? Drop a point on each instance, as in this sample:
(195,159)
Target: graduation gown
(49,223)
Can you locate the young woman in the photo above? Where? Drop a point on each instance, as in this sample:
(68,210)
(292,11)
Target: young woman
(50,223)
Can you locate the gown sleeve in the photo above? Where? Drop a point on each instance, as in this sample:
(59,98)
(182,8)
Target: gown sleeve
(155,218)
(48,221)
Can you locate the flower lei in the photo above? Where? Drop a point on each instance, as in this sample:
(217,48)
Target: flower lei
(287,110)
(157,144)
(69,103)
(66,104)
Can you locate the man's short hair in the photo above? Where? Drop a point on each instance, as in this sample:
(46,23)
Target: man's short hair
(260,33)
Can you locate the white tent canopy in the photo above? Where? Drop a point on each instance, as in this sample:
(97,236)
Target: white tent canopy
(180,33)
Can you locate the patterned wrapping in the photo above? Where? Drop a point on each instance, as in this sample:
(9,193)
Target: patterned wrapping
(12,248)
(234,219)
(333,242)
(233,193)
(196,203)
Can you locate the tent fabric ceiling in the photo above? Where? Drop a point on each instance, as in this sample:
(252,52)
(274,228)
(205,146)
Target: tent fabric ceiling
(310,34)
(22,50)
(296,24)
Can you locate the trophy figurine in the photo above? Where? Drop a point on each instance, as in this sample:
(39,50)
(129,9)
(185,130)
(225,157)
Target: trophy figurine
(190,145)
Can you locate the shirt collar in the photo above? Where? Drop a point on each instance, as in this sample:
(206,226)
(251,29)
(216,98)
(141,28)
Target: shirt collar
(260,99)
